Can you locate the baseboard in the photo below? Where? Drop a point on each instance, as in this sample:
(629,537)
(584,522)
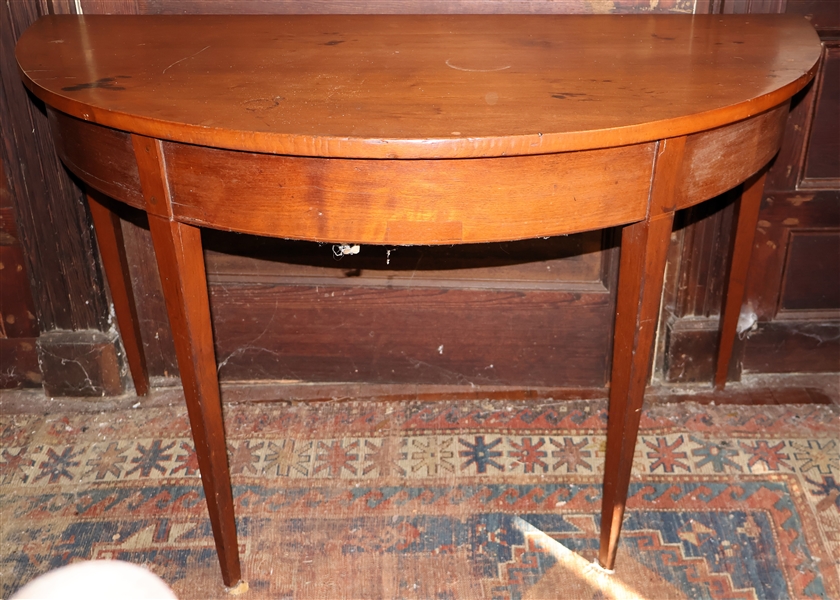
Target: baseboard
(691,350)
(80,363)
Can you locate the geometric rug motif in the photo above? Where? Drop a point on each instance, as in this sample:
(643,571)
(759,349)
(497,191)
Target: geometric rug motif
(444,500)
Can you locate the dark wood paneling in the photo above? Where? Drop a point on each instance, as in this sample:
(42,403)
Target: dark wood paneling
(812,271)
(793,347)
(741,7)
(19,363)
(823,14)
(249,317)
(786,168)
(783,213)
(555,263)
(703,234)
(692,347)
(418,335)
(151,310)
(17,311)
(67,284)
(18,326)
(113,7)
(822,158)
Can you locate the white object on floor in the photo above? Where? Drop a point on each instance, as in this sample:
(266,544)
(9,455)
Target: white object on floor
(96,580)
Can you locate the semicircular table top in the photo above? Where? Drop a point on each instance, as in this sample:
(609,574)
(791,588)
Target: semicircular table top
(471,86)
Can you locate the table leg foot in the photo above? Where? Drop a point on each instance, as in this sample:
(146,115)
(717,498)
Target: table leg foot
(240,588)
(181,264)
(109,237)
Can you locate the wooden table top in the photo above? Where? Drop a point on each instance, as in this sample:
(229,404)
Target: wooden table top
(396,86)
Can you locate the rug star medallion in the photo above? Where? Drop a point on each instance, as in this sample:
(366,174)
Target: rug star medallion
(436,500)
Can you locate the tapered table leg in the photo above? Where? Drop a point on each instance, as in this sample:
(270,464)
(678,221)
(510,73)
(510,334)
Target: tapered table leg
(746,220)
(644,249)
(182,272)
(109,236)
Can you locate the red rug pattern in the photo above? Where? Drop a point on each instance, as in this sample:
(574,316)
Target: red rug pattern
(435,500)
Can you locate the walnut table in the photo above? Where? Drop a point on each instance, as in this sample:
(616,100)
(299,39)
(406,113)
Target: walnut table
(414,130)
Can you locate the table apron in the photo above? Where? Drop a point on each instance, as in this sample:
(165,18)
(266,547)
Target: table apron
(427,201)
(409,201)
(719,159)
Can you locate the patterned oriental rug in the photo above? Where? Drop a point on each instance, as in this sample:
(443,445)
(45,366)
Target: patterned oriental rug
(445,501)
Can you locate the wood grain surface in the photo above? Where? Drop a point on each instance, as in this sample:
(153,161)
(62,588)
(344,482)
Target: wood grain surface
(457,86)
(101,157)
(409,201)
(644,248)
(708,169)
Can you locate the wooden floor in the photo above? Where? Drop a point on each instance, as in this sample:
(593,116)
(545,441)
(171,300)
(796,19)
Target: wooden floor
(811,388)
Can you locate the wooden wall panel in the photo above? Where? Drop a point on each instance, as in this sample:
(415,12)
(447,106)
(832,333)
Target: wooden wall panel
(18,326)
(823,14)
(694,282)
(416,335)
(785,215)
(822,157)
(17,310)
(151,309)
(811,280)
(561,262)
(67,284)
(793,347)
(68,290)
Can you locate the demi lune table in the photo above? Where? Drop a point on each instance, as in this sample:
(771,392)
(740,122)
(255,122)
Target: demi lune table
(414,130)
